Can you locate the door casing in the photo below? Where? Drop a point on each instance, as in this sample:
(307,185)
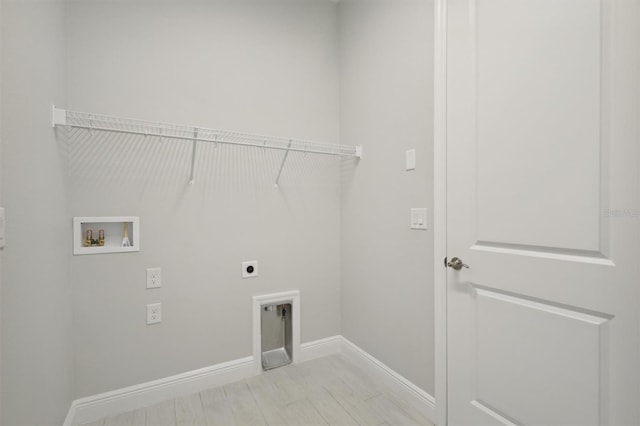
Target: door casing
(440,208)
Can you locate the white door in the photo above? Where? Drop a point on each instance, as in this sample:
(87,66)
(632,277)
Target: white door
(543,205)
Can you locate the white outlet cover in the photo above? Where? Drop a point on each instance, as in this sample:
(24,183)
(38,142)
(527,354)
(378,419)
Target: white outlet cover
(250,269)
(154,313)
(154,278)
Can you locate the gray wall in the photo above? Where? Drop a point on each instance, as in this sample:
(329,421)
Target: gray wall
(386,78)
(1,204)
(37,351)
(256,66)
(359,71)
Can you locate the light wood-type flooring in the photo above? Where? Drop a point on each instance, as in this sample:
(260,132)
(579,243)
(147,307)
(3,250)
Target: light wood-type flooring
(325,391)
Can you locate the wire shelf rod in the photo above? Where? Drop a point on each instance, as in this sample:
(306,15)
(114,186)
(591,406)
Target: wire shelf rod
(96,122)
(194,150)
(284,160)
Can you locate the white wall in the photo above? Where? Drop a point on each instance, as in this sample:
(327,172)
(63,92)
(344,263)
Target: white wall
(1,204)
(36,302)
(285,67)
(386,79)
(266,67)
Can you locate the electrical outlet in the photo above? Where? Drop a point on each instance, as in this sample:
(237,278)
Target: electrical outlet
(250,269)
(154,313)
(154,278)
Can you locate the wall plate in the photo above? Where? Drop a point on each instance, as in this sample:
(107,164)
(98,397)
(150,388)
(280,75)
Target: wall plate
(410,159)
(250,269)
(1,227)
(419,218)
(154,278)
(154,313)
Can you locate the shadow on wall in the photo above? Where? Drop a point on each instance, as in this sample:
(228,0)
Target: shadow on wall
(348,166)
(96,159)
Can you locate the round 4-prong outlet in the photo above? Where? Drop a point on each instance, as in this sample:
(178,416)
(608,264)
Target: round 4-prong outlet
(250,269)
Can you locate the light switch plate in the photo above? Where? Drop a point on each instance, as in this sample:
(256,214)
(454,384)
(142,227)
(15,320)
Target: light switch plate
(410,159)
(1,227)
(419,218)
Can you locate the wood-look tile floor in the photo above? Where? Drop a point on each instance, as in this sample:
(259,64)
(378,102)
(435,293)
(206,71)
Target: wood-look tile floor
(325,391)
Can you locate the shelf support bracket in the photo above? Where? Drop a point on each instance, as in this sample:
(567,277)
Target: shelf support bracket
(194,148)
(58,116)
(284,160)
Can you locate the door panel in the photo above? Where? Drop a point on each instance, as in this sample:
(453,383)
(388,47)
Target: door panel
(535,118)
(542,164)
(541,350)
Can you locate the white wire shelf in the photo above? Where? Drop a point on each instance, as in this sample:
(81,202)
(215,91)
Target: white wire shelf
(106,123)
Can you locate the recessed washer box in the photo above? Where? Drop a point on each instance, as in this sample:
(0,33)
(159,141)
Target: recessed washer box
(121,234)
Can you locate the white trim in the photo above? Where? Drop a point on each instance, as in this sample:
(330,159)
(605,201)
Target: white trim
(71,415)
(594,318)
(319,348)
(592,258)
(440,208)
(418,398)
(85,410)
(92,408)
(501,420)
(292,297)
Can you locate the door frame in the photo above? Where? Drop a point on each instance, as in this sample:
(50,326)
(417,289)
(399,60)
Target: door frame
(440,208)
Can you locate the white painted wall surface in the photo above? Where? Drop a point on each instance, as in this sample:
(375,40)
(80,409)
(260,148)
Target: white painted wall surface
(1,203)
(266,67)
(36,293)
(386,79)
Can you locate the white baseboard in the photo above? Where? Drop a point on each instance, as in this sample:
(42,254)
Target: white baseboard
(85,410)
(418,398)
(71,415)
(319,348)
(92,408)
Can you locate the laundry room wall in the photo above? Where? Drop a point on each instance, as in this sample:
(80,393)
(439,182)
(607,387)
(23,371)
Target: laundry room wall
(35,315)
(254,66)
(386,103)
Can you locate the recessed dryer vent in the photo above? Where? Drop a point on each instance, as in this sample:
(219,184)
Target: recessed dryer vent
(277,336)
(276,329)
